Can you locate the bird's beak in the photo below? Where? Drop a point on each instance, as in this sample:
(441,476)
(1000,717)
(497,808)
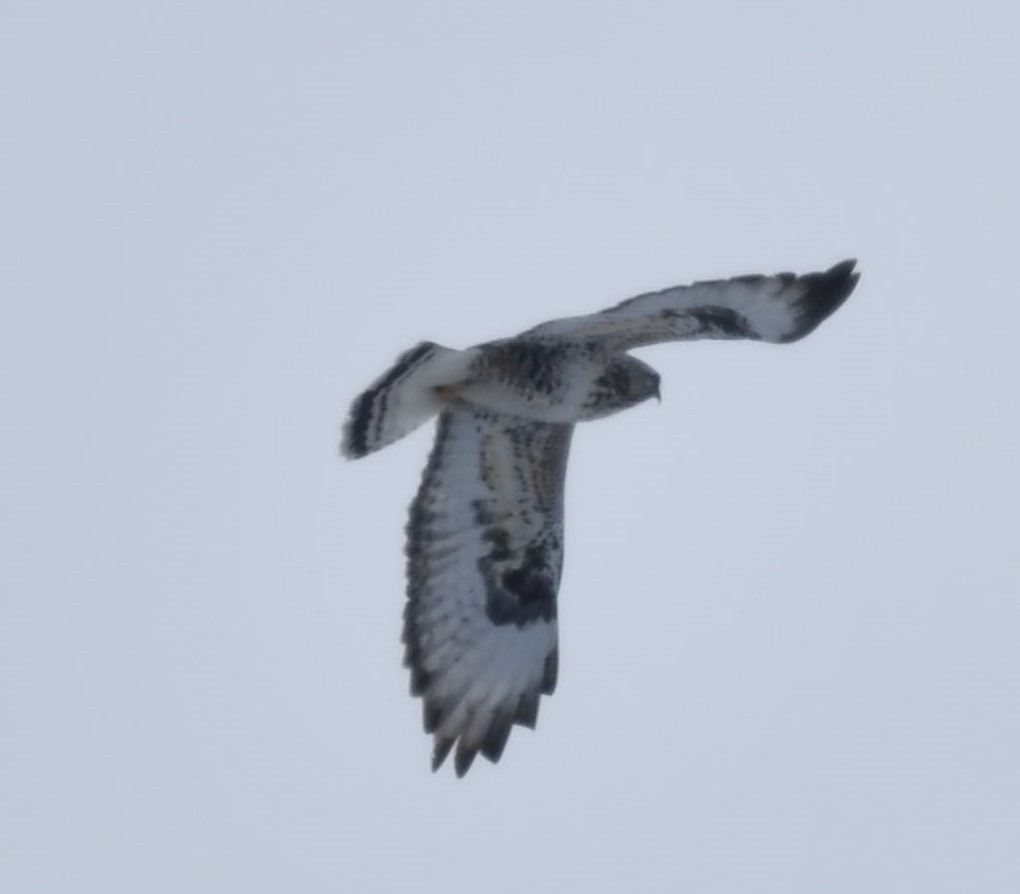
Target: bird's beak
(658,396)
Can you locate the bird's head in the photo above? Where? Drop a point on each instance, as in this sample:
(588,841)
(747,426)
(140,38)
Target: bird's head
(625,382)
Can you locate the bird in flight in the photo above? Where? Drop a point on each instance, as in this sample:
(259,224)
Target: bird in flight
(485,533)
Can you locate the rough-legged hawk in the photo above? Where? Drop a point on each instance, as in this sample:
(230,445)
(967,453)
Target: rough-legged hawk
(485,536)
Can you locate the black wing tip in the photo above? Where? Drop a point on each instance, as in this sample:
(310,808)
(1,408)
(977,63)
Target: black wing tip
(491,748)
(526,714)
(492,744)
(824,294)
(462,759)
(496,738)
(550,671)
(440,750)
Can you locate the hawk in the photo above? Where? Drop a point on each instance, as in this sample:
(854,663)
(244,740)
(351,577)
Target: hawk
(485,534)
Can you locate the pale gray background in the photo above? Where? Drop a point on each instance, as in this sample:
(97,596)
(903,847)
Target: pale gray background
(790,609)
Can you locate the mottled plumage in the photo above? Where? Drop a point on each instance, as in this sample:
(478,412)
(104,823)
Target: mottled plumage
(485,534)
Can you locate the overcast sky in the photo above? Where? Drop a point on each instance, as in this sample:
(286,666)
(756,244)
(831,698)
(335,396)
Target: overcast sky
(791,604)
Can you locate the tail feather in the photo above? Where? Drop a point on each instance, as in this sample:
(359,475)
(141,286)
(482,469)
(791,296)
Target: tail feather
(401,399)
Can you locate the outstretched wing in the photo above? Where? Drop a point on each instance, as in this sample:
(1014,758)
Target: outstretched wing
(780,308)
(485,549)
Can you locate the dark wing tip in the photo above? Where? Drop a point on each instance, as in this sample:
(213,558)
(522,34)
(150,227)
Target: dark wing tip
(824,294)
(496,738)
(491,744)
(464,758)
(550,671)
(465,755)
(527,709)
(439,752)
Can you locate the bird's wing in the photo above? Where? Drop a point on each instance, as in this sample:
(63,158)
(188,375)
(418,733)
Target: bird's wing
(485,550)
(779,308)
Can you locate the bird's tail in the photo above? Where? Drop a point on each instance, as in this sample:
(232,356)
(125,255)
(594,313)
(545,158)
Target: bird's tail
(413,390)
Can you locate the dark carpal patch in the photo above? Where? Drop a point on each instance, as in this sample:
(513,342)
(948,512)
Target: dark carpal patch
(531,582)
(721,322)
(523,593)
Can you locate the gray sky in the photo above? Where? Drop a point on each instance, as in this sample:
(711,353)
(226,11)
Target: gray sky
(790,613)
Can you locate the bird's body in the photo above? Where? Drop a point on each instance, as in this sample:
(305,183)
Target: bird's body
(485,534)
(548,379)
